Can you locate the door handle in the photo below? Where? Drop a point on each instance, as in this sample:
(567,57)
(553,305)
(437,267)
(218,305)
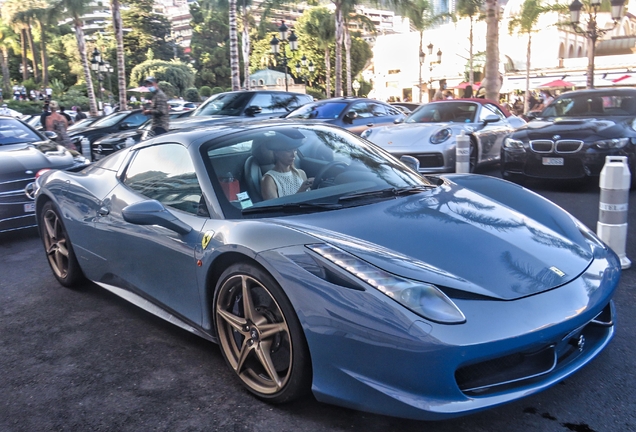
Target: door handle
(103,211)
(370,124)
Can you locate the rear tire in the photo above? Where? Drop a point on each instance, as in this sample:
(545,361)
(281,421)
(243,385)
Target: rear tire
(58,248)
(260,336)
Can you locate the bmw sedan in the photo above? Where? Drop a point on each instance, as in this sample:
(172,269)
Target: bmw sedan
(571,138)
(376,289)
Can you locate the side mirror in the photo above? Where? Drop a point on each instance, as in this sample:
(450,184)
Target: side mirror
(152,212)
(50,135)
(125,126)
(410,162)
(351,116)
(252,110)
(399,120)
(532,115)
(492,118)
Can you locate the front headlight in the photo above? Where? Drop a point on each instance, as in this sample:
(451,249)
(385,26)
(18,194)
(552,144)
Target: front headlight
(441,136)
(422,298)
(513,144)
(612,143)
(365,133)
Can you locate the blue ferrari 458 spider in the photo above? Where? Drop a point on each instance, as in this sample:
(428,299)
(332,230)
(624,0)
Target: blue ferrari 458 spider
(321,264)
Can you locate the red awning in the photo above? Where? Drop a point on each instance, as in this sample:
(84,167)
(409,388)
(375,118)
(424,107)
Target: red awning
(624,77)
(558,83)
(463,85)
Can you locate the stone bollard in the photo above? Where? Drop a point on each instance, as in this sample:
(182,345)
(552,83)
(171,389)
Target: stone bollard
(462,153)
(86,149)
(612,215)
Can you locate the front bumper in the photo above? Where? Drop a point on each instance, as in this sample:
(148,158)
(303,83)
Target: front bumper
(439,160)
(17,209)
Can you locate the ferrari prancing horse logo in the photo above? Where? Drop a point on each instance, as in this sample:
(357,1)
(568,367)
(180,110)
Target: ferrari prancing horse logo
(206,239)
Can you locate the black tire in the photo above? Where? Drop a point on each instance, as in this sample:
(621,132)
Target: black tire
(260,336)
(58,248)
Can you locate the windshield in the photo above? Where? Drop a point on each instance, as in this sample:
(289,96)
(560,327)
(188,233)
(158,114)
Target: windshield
(110,120)
(229,104)
(15,132)
(597,105)
(330,110)
(453,112)
(337,163)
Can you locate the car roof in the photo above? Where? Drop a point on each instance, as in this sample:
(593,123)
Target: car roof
(610,91)
(479,101)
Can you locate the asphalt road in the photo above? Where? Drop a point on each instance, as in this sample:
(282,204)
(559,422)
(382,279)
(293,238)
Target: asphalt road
(85,360)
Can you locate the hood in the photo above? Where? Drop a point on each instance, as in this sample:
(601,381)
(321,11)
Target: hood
(572,127)
(189,122)
(457,238)
(79,131)
(406,135)
(25,160)
(119,136)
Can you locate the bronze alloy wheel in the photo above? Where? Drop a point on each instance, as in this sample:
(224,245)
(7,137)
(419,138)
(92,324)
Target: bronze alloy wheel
(55,243)
(254,334)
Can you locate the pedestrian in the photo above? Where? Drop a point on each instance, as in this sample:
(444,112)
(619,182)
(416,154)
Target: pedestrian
(80,115)
(4,110)
(438,95)
(68,118)
(107,109)
(57,123)
(159,108)
(468,92)
(45,114)
(449,95)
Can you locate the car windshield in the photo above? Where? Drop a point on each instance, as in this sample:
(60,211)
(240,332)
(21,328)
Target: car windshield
(16,132)
(329,110)
(596,105)
(447,112)
(346,170)
(110,120)
(81,123)
(229,104)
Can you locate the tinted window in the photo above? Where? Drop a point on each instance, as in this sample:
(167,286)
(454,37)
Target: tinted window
(14,132)
(230,104)
(574,105)
(378,110)
(454,112)
(329,110)
(110,120)
(488,110)
(136,119)
(165,173)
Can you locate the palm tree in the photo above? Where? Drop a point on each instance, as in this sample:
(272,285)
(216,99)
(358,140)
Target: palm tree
(121,64)
(8,40)
(349,17)
(339,33)
(321,26)
(234,57)
(15,14)
(246,42)
(75,9)
(492,82)
(470,9)
(45,14)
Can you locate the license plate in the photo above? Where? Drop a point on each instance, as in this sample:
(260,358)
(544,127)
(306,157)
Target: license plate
(553,161)
(29,208)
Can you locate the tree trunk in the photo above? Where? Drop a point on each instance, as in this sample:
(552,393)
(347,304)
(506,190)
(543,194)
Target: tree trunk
(420,62)
(6,79)
(471,71)
(121,64)
(526,103)
(339,36)
(44,56)
(23,46)
(328,72)
(347,39)
(591,51)
(492,79)
(81,46)
(36,72)
(234,56)
(246,49)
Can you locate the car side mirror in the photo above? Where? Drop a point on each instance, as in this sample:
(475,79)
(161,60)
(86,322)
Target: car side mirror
(532,115)
(152,212)
(351,116)
(399,120)
(252,110)
(50,135)
(410,162)
(125,126)
(492,118)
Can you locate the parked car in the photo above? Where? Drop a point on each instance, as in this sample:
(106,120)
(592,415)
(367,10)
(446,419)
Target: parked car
(353,114)
(429,133)
(181,105)
(109,144)
(377,289)
(406,107)
(245,105)
(115,122)
(23,153)
(572,136)
(82,123)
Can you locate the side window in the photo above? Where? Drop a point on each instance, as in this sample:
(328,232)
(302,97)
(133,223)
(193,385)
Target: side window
(488,110)
(136,119)
(495,110)
(362,108)
(165,173)
(377,110)
(263,100)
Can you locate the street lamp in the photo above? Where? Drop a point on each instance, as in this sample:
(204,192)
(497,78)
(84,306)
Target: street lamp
(284,40)
(97,66)
(356,86)
(592,30)
(432,64)
(300,65)
(422,59)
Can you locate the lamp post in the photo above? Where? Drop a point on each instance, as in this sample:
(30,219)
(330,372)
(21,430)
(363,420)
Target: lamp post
(422,59)
(591,30)
(356,86)
(432,63)
(97,66)
(275,43)
(300,67)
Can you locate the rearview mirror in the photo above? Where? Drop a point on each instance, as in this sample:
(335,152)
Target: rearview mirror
(152,212)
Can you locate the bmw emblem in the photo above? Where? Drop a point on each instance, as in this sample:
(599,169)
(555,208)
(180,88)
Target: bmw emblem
(556,137)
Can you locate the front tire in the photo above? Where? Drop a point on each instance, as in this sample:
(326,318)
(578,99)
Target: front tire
(58,248)
(260,336)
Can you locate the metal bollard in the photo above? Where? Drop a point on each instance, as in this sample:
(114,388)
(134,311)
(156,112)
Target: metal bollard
(86,149)
(462,153)
(612,215)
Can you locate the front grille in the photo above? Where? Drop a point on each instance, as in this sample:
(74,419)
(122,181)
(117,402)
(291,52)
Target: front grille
(430,160)
(12,192)
(542,146)
(568,146)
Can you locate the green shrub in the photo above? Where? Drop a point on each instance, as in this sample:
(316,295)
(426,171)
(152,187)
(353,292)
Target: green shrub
(205,91)
(315,92)
(217,90)
(168,89)
(74,97)
(25,107)
(192,95)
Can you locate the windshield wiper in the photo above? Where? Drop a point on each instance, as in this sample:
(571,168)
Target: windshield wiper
(292,207)
(386,193)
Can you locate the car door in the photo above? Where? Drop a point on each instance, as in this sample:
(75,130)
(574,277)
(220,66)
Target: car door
(363,117)
(152,261)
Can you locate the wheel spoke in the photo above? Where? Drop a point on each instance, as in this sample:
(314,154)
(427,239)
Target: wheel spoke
(59,262)
(50,231)
(237,323)
(248,306)
(245,352)
(269,330)
(262,351)
(61,246)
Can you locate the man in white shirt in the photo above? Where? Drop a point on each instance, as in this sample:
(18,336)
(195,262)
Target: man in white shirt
(5,111)
(107,109)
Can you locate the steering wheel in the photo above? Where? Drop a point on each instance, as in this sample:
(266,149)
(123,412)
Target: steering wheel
(322,174)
